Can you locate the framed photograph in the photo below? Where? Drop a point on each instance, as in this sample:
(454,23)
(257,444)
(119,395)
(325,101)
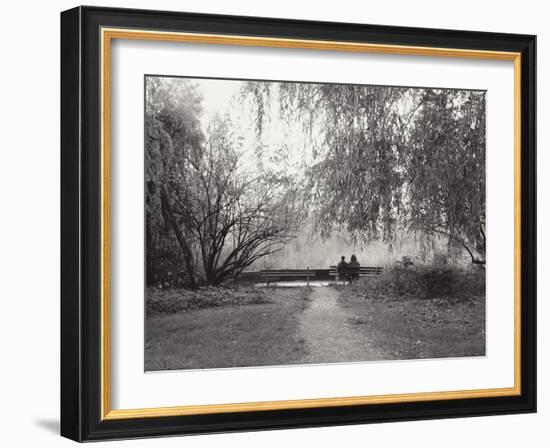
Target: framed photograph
(273,224)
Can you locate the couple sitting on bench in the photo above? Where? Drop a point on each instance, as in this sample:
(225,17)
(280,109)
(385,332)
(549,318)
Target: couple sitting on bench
(348,271)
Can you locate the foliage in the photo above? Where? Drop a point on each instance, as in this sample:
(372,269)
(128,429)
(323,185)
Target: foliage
(236,217)
(445,162)
(384,162)
(167,301)
(172,128)
(222,217)
(391,159)
(429,282)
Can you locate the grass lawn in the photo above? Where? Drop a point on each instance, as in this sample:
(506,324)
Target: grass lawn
(414,314)
(405,327)
(247,329)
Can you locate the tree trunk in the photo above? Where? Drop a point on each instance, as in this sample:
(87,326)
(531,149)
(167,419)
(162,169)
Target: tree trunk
(461,242)
(187,253)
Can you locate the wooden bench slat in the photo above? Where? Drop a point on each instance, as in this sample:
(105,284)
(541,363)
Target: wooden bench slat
(274,275)
(361,270)
(288,275)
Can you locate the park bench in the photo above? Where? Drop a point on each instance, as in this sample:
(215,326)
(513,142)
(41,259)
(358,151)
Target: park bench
(362,271)
(276,274)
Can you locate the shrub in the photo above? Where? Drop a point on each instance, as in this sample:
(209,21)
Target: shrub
(162,301)
(429,281)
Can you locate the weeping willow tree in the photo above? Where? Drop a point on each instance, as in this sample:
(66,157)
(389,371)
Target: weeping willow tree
(389,159)
(445,163)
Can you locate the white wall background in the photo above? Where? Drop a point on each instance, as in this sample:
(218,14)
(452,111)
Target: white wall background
(29,228)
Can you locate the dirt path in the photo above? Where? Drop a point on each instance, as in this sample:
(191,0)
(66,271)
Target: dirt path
(329,336)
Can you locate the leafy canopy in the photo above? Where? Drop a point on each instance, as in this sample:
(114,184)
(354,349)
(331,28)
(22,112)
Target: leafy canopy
(390,158)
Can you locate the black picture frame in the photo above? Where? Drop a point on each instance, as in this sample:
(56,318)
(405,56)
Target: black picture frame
(81,414)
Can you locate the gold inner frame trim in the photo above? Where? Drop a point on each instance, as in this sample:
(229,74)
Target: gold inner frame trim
(107,35)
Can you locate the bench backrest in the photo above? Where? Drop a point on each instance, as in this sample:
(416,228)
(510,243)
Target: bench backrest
(361,270)
(287,272)
(333,270)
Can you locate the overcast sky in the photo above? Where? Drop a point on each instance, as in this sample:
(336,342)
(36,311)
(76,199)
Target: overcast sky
(222,97)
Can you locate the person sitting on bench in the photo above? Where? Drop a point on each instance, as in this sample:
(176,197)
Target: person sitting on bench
(353,268)
(342,269)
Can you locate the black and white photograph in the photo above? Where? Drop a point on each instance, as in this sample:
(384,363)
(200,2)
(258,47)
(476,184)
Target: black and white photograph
(275,224)
(293,223)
